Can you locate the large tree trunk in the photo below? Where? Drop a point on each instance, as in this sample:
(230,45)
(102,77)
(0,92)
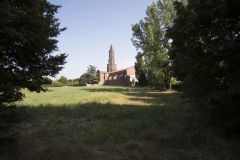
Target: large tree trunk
(167,78)
(237,72)
(167,84)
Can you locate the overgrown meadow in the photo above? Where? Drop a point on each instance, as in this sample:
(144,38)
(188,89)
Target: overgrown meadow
(116,123)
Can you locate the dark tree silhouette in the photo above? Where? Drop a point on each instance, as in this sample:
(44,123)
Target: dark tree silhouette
(27,32)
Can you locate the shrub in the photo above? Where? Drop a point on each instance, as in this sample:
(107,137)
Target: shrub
(222,108)
(57,84)
(63,80)
(176,87)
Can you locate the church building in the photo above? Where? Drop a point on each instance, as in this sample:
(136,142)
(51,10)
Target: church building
(114,77)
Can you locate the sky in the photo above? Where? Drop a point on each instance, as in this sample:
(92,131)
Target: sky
(92,26)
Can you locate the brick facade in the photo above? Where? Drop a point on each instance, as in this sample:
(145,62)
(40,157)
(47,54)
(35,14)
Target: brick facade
(117,78)
(111,66)
(113,77)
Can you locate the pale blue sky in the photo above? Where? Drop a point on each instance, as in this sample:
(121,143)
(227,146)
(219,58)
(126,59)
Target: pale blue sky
(92,26)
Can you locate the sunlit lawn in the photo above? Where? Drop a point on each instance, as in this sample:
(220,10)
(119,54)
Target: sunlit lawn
(117,123)
(81,95)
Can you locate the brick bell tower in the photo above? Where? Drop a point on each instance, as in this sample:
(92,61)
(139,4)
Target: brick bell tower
(111,66)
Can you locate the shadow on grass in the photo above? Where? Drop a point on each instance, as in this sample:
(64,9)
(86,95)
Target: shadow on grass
(73,131)
(154,98)
(110,131)
(10,118)
(45,122)
(162,96)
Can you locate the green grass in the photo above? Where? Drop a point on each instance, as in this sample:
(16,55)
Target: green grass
(116,123)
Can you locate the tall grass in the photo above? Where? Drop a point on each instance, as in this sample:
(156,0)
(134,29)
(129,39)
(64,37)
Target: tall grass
(116,123)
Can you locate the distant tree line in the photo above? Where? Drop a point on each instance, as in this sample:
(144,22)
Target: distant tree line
(90,77)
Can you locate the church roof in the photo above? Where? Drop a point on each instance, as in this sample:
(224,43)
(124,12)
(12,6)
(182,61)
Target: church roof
(117,70)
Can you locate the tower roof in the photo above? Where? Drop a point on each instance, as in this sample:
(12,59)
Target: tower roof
(111,48)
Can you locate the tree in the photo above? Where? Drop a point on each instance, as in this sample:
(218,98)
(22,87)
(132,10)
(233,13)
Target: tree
(205,45)
(75,82)
(27,31)
(149,35)
(140,70)
(83,80)
(93,79)
(63,80)
(205,53)
(91,70)
(91,76)
(88,79)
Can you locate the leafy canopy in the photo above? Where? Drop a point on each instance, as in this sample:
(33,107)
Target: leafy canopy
(27,32)
(140,70)
(91,70)
(63,80)
(149,35)
(205,46)
(91,76)
(205,53)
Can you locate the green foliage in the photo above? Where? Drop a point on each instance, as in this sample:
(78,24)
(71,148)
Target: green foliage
(90,77)
(63,80)
(83,79)
(93,79)
(57,84)
(48,80)
(140,70)
(74,82)
(222,109)
(173,81)
(27,32)
(91,70)
(149,35)
(205,45)
(205,53)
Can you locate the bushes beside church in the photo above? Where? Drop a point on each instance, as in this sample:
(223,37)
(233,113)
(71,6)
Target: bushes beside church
(88,79)
(63,81)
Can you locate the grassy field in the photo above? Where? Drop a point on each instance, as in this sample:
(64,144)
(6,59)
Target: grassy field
(116,123)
